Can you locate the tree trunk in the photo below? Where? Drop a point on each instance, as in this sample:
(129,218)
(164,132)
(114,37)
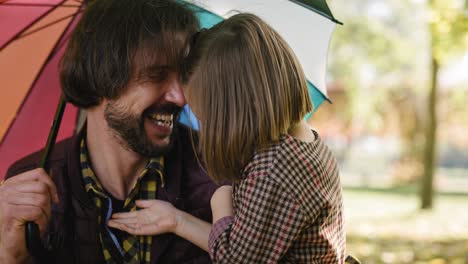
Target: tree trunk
(427,190)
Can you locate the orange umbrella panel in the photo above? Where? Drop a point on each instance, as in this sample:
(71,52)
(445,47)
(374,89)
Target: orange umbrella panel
(33,35)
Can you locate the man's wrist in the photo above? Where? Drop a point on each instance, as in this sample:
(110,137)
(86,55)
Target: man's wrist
(7,258)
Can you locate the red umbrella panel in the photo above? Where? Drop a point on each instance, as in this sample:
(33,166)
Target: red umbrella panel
(33,36)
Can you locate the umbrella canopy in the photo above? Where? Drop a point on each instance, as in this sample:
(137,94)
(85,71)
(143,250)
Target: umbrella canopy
(33,35)
(307,26)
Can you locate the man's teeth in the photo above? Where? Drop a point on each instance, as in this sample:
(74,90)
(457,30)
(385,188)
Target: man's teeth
(163,119)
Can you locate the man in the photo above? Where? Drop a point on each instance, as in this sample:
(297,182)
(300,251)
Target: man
(122,66)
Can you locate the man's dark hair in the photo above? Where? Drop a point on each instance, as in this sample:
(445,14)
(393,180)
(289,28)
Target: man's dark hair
(119,40)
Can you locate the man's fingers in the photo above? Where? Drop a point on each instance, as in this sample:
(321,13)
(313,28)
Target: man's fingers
(34,211)
(36,197)
(32,187)
(35,175)
(28,213)
(33,199)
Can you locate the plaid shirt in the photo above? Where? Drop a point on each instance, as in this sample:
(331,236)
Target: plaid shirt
(288,208)
(134,249)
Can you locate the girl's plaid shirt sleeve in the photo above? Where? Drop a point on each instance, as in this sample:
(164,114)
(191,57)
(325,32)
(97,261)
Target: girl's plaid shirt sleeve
(264,228)
(288,208)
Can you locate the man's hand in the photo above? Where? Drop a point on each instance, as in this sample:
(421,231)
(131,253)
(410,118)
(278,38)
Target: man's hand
(24,198)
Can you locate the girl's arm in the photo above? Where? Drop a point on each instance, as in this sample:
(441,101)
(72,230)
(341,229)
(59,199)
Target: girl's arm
(197,231)
(221,203)
(193,229)
(268,220)
(157,217)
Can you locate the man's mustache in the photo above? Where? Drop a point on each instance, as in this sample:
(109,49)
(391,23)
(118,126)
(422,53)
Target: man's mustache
(168,108)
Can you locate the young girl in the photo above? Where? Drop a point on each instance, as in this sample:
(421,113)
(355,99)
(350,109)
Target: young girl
(249,92)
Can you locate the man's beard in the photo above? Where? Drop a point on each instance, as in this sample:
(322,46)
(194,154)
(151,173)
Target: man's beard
(130,130)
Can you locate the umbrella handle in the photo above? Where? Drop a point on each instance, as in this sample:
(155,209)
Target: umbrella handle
(33,237)
(34,243)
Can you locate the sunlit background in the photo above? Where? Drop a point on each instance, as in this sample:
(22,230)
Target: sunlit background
(398,79)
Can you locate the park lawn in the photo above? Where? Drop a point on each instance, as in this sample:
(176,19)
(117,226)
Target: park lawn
(386,227)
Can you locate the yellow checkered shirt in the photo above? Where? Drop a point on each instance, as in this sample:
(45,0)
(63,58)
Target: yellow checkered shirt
(133,249)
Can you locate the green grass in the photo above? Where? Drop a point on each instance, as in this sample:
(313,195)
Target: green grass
(387,227)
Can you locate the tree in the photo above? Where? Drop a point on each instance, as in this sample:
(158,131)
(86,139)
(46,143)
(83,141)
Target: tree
(377,57)
(381,38)
(448,27)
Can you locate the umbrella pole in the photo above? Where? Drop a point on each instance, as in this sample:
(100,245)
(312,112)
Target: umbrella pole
(53,133)
(33,237)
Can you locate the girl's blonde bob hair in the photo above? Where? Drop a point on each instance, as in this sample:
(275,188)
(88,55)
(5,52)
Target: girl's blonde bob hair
(247,88)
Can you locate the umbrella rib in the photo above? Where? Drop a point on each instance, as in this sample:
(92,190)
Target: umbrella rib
(63,39)
(38,5)
(46,25)
(317,11)
(37,77)
(27,27)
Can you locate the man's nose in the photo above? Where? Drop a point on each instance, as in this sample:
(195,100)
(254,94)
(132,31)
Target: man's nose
(174,93)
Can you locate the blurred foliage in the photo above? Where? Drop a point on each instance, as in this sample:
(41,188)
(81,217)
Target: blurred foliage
(381,56)
(404,251)
(371,54)
(388,227)
(449,29)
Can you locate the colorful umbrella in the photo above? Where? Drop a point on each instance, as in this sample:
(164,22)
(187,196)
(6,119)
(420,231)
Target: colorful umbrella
(33,35)
(307,26)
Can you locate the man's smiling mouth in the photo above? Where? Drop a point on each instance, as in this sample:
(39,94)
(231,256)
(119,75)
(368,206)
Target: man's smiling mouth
(166,120)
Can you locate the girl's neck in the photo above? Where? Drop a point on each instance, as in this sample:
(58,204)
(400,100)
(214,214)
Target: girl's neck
(302,131)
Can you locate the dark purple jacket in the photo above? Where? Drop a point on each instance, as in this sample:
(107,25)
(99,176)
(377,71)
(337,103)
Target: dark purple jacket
(73,230)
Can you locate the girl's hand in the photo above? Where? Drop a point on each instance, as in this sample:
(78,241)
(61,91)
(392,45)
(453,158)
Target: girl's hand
(155,217)
(221,203)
